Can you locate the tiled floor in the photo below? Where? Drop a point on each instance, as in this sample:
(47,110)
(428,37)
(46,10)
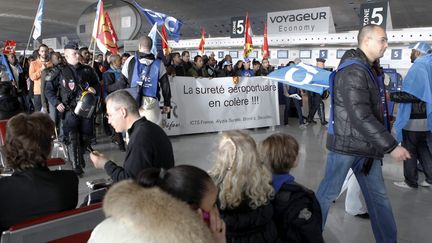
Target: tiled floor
(412,208)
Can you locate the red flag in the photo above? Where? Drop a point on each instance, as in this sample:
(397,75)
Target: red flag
(202,42)
(106,36)
(265,48)
(248,38)
(111,28)
(9,46)
(165,46)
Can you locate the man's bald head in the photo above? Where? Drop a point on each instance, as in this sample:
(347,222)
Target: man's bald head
(372,40)
(145,44)
(365,32)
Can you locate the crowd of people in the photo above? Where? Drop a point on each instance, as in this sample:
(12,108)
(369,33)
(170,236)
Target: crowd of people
(249,195)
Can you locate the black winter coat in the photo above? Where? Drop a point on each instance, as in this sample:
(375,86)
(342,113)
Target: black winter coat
(66,84)
(358,116)
(9,107)
(297,214)
(247,225)
(111,83)
(418,110)
(36,192)
(149,147)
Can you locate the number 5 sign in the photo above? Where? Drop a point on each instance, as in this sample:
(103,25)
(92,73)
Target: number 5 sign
(238,27)
(376,13)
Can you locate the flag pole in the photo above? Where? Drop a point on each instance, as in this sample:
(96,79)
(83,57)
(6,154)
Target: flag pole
(94,50)
(163,39)
(28,43)
(95,32)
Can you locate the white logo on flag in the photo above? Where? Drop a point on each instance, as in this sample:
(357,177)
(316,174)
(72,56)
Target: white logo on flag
(308,76)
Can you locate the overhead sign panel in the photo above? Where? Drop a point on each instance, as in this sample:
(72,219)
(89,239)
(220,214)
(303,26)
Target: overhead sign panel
(311,20)
(376,13)
(396,54)
(323,54)
(238,27)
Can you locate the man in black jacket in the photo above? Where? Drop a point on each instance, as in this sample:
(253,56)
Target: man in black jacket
(149,146)
(358,138)
(63,90)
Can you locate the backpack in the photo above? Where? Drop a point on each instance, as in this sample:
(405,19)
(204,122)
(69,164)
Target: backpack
(297,214)
(341,66)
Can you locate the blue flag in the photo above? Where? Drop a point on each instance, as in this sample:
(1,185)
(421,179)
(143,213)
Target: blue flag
(38,21)
(4,67)
(302,76)
(172,24)
(417,82)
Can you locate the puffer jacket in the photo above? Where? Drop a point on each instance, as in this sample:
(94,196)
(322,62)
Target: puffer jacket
(418,110)
(247,225)
(9,106)
(358,116)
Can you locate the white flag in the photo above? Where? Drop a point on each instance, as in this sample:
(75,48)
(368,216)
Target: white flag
(96,21)
(38,21)
(153,35)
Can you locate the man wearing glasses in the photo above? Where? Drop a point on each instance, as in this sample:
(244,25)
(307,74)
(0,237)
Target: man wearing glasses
(148,147)
(358,135)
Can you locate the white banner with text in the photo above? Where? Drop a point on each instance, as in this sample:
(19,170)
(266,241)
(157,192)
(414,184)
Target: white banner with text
(220,104)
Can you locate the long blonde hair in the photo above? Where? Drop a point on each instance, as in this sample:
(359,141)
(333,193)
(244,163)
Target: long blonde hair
(238,172)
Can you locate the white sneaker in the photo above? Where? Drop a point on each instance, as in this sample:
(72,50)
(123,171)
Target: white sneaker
(424,184)
(303,126)
(402,184)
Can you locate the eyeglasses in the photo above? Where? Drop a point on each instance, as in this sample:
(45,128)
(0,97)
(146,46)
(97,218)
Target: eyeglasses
(383,40)
(108,116)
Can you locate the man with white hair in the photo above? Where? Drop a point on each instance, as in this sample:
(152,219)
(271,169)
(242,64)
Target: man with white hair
(148,147)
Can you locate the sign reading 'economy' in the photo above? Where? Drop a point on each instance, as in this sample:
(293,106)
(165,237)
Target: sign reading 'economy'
(218,104)
(312,20)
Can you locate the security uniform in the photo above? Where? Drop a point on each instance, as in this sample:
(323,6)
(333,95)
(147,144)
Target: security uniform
(67,88)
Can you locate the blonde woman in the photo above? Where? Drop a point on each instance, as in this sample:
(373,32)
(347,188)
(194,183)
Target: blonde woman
(245,190)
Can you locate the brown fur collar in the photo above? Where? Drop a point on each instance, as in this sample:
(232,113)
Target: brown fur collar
(154,214)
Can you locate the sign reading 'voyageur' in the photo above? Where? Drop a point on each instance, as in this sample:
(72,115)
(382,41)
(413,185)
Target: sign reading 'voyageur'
(312,20)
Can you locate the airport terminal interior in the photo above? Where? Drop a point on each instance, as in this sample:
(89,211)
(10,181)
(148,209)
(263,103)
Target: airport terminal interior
(202,108)
(410,206)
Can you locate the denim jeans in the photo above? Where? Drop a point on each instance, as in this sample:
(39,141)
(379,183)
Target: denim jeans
(37,103)
(297,104)
(373,189)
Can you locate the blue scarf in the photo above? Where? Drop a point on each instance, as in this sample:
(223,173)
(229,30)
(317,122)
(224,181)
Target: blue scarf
(279,179)
(417,82)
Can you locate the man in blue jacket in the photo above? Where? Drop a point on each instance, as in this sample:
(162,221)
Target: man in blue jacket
(413,123)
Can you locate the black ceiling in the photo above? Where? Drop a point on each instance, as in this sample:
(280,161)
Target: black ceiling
(61,16)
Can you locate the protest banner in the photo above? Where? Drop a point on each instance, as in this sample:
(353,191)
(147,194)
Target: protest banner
(219,104)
